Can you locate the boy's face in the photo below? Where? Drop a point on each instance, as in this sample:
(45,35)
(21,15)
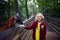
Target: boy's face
(39,18)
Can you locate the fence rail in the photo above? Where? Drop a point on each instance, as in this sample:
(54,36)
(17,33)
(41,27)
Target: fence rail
(53,24)
(16,32)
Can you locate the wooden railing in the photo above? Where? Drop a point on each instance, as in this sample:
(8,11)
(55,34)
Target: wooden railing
(16,32)
(53,23)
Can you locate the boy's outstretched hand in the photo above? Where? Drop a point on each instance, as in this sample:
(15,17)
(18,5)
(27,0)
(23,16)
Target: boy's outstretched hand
(22,25)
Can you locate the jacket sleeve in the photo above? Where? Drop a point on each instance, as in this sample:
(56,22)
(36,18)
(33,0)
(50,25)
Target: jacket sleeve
(30,27)
(45,29)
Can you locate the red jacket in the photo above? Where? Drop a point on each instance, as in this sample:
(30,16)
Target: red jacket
(42,30)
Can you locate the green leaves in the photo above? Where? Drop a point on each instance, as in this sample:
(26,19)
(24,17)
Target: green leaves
(51,7)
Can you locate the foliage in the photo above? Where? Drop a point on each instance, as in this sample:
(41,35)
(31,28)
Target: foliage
(51,7)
